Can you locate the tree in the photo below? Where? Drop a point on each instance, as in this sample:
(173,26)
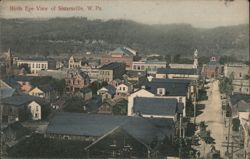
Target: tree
(120,108)
(236,124)
(75,104)
(25,66)
(58,85)
(226,85)
(96,85)
(45,110)
(205,135)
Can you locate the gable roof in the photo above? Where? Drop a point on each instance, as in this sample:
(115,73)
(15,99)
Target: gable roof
(155,106)
(6,92)
(19,100)
(45,88)
(236,97)
(99,124)
(177,71)
(11,82)
(112,65)
(122,51)
(173,87)
(111,89)
(23,78)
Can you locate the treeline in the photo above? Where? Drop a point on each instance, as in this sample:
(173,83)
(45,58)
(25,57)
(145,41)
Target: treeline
(77,35)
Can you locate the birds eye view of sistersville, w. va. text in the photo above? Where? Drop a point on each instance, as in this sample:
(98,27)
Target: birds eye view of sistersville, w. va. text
(127,79)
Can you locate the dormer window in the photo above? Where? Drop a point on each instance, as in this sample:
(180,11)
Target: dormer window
(161,91)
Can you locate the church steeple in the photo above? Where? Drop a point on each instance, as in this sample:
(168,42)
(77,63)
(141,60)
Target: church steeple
(195,65)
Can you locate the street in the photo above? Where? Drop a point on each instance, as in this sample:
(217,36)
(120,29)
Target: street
(212,115)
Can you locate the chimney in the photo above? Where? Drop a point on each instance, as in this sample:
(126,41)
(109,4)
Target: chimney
(150,78)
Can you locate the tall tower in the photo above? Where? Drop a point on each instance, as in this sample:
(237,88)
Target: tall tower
(195,65)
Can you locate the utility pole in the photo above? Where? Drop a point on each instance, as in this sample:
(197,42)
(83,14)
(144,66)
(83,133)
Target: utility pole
(228,138)
(195,100)
(180,137)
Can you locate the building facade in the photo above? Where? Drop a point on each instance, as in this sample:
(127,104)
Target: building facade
(177,73)
(34,65)
(76,80)
(35,110)
(74,63)
(241,86)
(123,55)
(238,71)
(213,69)
(149,66)
(112,71)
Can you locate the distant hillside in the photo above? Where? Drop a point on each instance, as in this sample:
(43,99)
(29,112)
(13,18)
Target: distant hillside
(76,35)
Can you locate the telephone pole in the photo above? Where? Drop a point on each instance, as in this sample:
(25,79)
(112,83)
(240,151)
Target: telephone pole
(195,100)
(180,137)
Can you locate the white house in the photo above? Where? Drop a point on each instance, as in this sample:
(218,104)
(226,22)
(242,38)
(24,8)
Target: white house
(34,65)
(146,104)
(124,90)
(139,93)
(35,110)
(107,92)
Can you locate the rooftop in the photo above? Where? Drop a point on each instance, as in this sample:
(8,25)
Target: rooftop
(100,124)
(112,66)
(23,78)
(236,97)
(123,51)
(173,87)
(155,106)
(177,71)
(19,100)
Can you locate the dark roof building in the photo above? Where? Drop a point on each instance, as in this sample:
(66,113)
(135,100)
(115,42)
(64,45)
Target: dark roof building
(111,89)
(173,87)
(112,66)
(239,103)
(177,71)
(97,125)
(19,100)
(93,104)
(150,106)
(235,98)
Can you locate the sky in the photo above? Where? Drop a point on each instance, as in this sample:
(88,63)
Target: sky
(198,13)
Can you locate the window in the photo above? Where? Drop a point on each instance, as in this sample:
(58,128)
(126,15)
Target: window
(36,115)
(180,99)
(37,108)
(123,88)
(161,91)
(134,67)
(240,74)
